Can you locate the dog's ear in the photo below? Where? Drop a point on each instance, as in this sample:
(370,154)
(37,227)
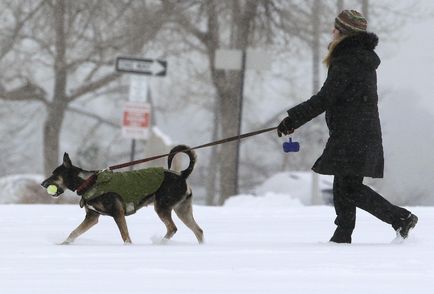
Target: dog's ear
(66,161)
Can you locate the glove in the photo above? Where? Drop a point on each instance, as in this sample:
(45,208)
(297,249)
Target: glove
(285,127)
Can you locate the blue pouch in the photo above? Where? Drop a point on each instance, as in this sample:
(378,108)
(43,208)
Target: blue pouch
(291,146)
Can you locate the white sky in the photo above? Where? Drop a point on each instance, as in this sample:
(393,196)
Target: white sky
(409,63)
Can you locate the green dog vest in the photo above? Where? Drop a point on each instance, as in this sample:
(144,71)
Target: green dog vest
(132,186)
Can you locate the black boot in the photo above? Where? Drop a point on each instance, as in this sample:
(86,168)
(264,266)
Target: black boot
(404,225)
(341,236)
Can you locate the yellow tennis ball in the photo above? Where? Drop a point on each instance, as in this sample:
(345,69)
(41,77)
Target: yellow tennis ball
(52,189)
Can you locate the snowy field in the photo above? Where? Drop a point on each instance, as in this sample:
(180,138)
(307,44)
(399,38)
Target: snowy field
(248,249)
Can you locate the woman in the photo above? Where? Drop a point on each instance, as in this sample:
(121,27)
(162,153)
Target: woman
(354,149)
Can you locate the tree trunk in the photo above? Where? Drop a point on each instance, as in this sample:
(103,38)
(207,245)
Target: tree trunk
(316,44)
(229,111)
(56,109)
(213,165)
(230,102)
(52,128)
(365,8)
(316,24)
(340,5)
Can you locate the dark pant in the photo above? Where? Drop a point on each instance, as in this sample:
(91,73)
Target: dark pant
(349,192)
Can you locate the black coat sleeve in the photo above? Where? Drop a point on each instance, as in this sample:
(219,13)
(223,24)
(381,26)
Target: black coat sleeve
(338,78)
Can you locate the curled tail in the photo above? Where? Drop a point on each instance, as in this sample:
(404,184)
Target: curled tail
(191,154)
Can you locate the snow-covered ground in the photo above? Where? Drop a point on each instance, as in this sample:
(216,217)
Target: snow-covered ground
(250,248)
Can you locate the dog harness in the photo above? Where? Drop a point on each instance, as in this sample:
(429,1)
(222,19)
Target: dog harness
(132,186)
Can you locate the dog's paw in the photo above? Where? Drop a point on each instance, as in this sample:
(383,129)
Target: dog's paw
(158,240)
(66,242)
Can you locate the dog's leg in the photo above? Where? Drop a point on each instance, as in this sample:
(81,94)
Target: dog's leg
(165,215)
(89,221)
(184,211)
(120,220)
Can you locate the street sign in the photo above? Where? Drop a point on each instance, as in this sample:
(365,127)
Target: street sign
(150,67)
(136,120)
(138,88)
(231,59)
(228,59)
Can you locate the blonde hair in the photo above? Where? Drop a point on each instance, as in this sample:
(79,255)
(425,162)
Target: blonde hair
(331,47)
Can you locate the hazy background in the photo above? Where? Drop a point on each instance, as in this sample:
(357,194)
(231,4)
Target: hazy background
(60,92)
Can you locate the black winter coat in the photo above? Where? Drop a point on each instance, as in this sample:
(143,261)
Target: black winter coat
(349,98)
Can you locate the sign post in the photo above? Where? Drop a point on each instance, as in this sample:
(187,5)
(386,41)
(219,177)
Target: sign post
(136,118)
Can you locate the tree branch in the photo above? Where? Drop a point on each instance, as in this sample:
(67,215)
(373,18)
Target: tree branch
(95,85)
(27,92)
(94,116)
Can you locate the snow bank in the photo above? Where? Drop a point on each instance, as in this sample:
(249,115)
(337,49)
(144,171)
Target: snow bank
(165,138)
(14,187)
(26,188)
(268,200)
(286,189)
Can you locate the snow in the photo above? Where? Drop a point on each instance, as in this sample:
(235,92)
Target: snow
(260,249)
(285,189)
(165,138)
(296,184)
(14,186)
(269,199)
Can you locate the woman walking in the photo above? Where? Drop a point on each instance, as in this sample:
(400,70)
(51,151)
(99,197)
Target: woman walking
(354,149)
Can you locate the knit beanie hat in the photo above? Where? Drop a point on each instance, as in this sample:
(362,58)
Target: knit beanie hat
(350,22)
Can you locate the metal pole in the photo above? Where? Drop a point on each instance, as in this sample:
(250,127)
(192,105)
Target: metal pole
(240,116)
(133,151)
(316,197)
(150,99)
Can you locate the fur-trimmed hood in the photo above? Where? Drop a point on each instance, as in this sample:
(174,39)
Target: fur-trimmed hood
(360,46)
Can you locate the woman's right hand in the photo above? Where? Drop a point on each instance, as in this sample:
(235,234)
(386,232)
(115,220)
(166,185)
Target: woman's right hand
(285,127)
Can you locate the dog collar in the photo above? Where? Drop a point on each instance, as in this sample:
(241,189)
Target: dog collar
(87,184)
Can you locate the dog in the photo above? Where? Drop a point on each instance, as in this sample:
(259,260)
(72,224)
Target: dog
(171,192)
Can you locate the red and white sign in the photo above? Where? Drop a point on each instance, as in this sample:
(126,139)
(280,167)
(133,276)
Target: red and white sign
(136,120)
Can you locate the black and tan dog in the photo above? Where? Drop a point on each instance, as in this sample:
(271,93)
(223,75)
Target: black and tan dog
(171,193)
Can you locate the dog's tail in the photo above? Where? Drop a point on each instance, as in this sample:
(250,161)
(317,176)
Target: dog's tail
(191,154)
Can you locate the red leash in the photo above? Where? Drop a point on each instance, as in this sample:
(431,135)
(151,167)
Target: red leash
(91,180)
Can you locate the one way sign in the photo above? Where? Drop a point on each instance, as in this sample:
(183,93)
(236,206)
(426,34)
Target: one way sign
(150,67)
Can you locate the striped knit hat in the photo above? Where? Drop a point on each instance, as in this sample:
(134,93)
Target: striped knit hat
(350,22)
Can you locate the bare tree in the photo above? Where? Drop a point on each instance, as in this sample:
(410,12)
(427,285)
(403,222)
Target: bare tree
(226,83)
(70,38)
(232,25)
